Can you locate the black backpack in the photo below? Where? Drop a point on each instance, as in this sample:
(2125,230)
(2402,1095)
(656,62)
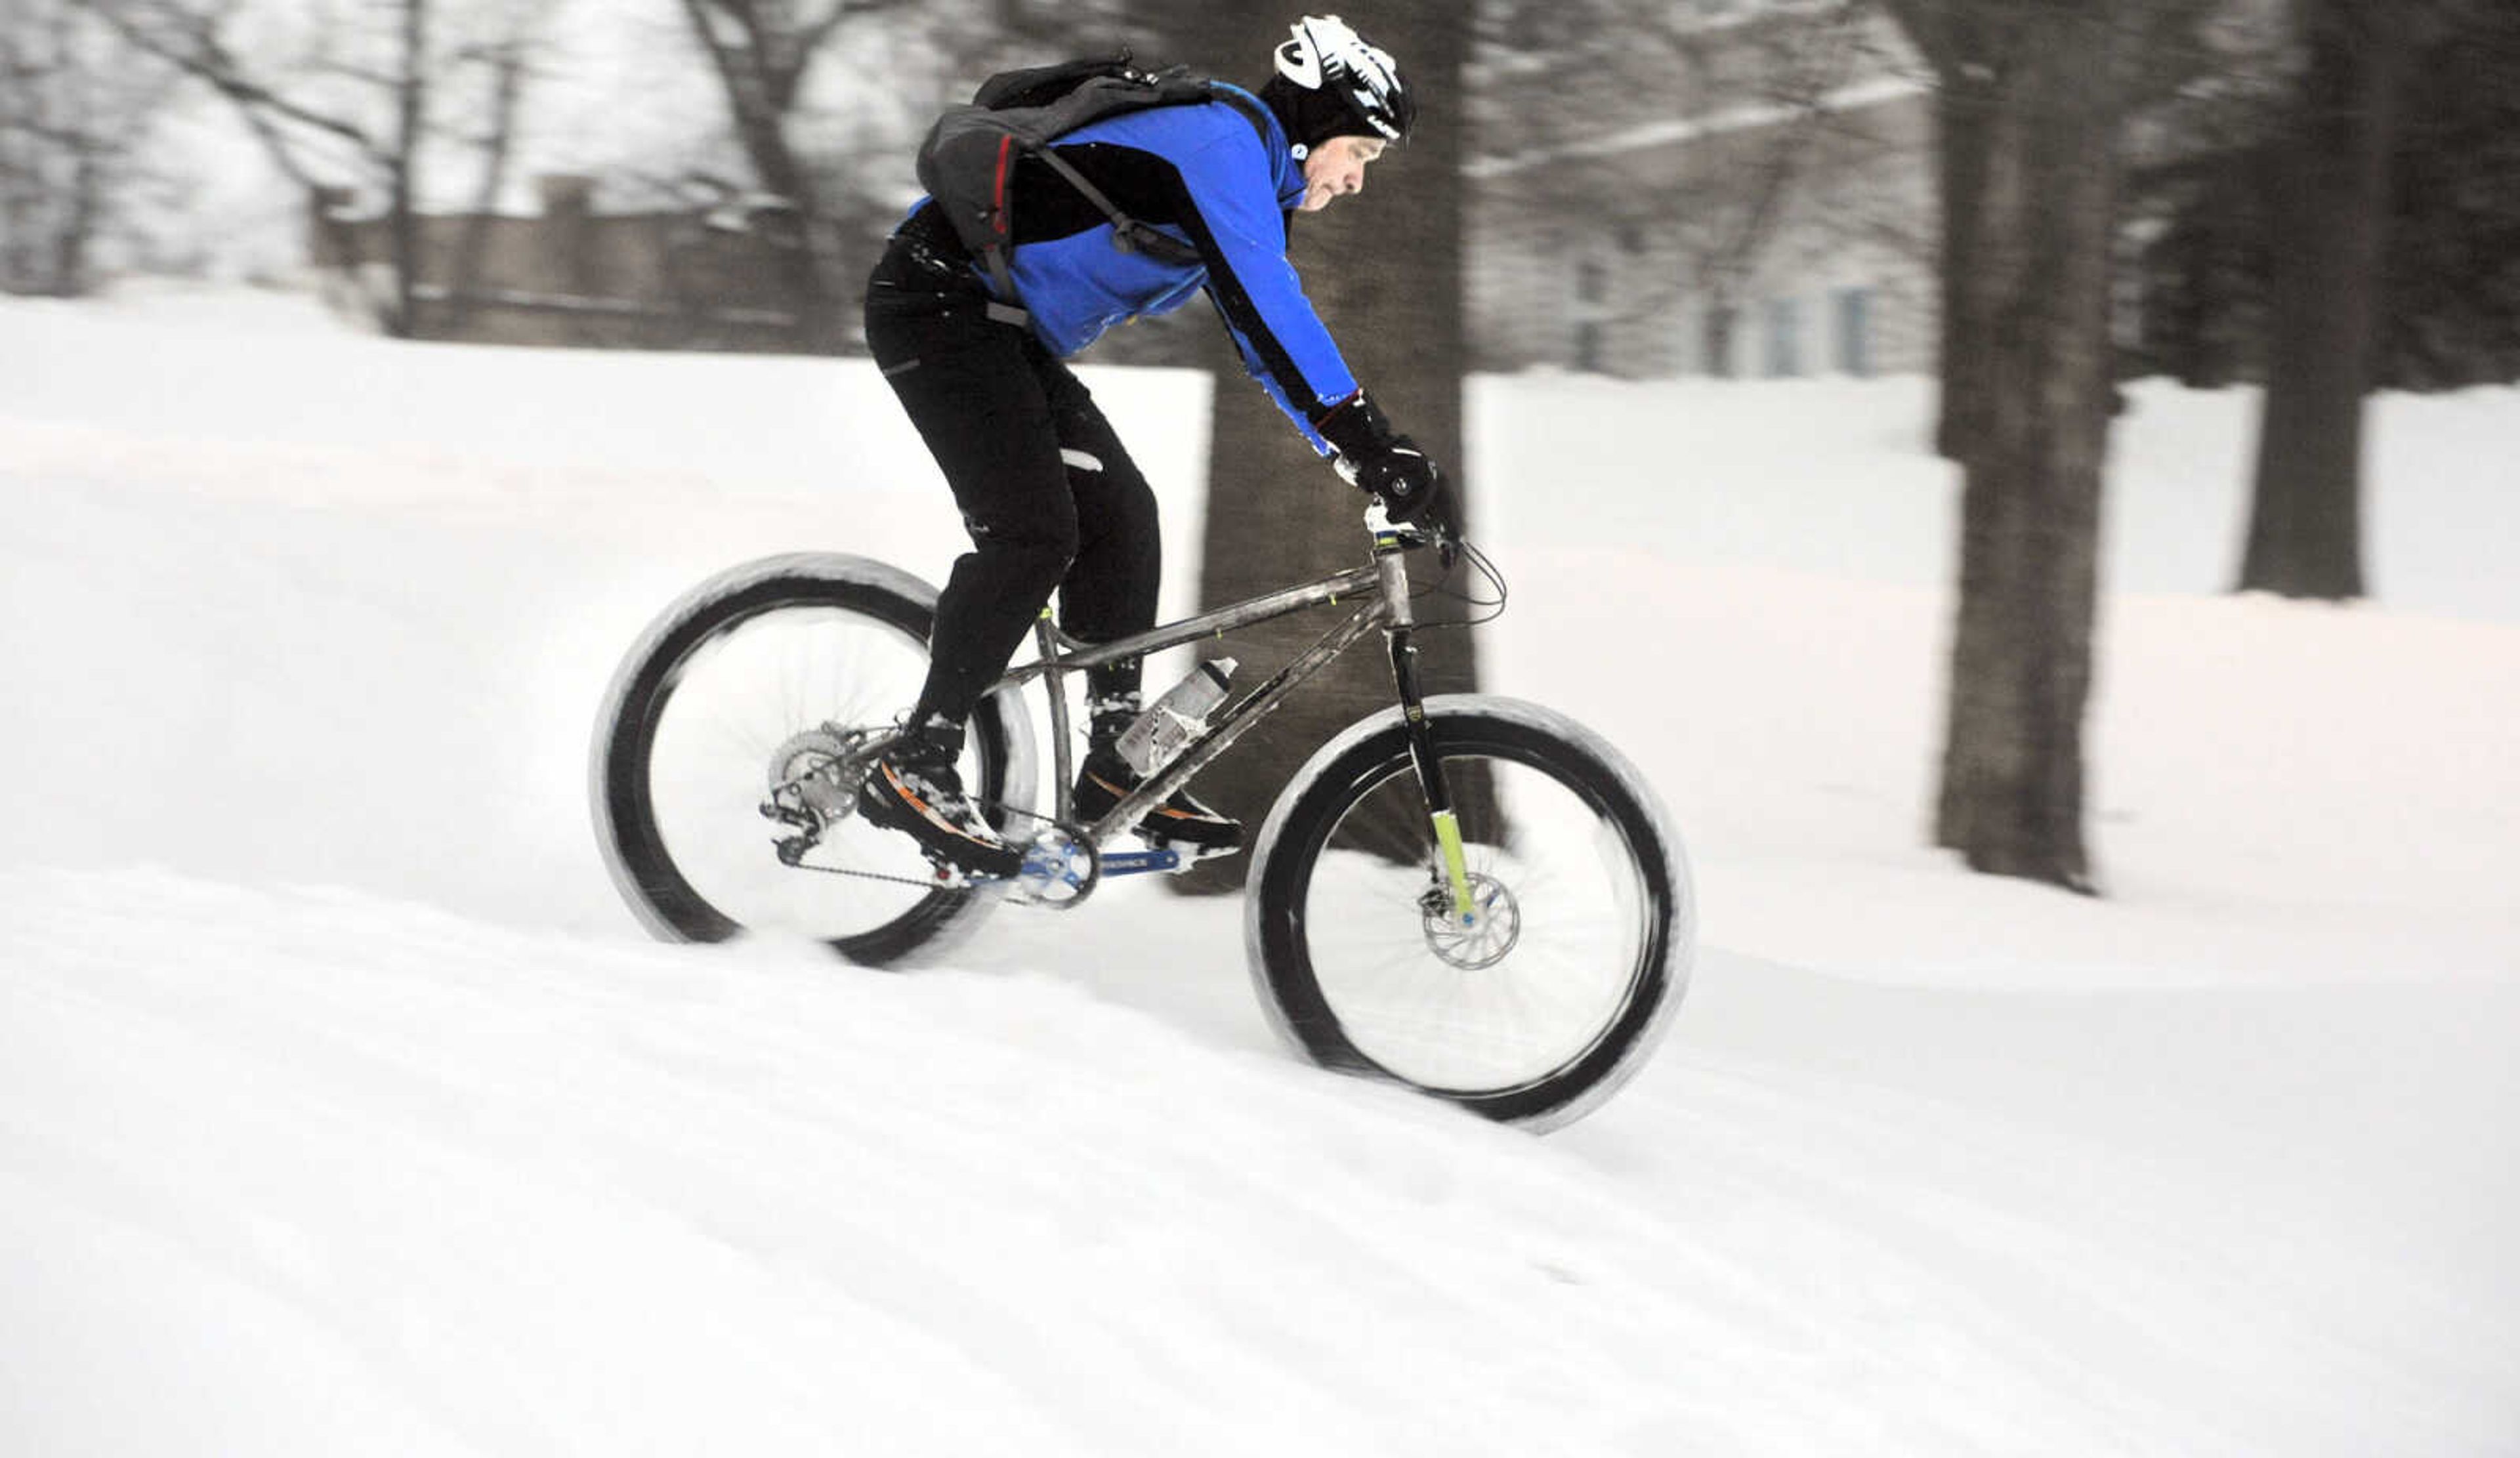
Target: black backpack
(967,162)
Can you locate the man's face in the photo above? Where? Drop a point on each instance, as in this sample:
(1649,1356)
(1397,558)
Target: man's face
(1336,168)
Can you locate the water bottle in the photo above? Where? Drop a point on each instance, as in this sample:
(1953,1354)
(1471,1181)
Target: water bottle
(1175,718)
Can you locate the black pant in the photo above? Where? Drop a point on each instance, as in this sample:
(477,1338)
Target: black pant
(1047,491)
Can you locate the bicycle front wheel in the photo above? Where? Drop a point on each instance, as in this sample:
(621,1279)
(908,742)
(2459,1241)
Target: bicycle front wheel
(1555,987)
(766,684)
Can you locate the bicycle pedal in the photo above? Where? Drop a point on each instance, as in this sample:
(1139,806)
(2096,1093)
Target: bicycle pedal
(951,877)
(1057,874)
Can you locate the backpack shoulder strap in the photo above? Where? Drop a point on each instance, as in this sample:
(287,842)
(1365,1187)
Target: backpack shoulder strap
(1128,233)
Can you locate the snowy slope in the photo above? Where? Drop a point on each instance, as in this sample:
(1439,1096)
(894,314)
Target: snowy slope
(342,1109)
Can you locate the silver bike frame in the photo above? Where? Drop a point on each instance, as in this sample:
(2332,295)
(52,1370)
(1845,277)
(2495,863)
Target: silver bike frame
(1382,591)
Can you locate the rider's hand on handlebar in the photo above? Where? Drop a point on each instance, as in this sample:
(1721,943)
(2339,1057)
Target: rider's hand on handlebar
(1404,480)
(1379,458)
(1437,526)
(1391,465)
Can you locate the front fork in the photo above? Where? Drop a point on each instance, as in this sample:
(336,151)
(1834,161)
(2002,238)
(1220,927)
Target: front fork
(1402,635)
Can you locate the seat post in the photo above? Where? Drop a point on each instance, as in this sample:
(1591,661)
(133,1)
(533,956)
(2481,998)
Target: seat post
(1062,753)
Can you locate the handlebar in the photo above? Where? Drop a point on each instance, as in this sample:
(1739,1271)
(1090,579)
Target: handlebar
(1408,536)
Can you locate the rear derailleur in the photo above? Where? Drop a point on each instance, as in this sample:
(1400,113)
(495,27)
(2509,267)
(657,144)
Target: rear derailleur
(813,784)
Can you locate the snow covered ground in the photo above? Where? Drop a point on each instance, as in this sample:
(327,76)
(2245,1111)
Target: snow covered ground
(344,1109)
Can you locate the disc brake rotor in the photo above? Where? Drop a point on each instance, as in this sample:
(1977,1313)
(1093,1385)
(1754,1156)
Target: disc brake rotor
(1480,939)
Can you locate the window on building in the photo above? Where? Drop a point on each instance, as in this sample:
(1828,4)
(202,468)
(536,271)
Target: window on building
(1854,332)
(1785,337)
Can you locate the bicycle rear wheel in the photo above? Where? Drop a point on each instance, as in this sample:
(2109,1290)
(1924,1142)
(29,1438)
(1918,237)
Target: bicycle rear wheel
(1579,950)
(766,679)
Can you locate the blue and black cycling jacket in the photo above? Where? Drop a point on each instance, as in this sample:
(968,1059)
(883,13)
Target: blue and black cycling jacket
(1205,173)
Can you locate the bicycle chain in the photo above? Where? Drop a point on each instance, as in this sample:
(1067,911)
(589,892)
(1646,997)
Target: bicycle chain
(931,884)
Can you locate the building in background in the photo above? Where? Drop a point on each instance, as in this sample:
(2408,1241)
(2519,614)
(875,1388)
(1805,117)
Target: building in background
(1760,203)
(577,275)
(1743,188)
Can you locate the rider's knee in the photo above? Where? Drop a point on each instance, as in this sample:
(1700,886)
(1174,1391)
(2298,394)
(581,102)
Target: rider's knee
(1110,493)
(1036,555)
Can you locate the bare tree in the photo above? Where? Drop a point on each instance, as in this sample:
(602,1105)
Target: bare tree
(2037,106)
(2044,87)
(73,113)
(1962,42)
(314,142)
(2158,58)
(2326,204)
(500,65)
(763,53)
(1727,216)
(340,103)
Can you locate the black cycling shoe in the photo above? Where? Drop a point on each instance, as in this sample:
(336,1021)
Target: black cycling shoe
(1181,819)
(914,787)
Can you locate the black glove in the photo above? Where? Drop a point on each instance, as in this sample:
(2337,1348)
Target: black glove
(1402,477)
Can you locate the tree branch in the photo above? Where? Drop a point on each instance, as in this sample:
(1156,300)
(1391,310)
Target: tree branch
(810,37)
(207,61)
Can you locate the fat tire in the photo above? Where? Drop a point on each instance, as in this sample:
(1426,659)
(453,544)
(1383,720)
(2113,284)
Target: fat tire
(625,828)
(1288,853)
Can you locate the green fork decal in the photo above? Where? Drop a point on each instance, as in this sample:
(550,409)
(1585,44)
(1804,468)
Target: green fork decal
(1448,835)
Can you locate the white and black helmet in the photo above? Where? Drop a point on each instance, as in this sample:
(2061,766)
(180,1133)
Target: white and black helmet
(1326,61)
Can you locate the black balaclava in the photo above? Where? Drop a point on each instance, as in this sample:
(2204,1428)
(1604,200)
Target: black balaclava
(1312,118)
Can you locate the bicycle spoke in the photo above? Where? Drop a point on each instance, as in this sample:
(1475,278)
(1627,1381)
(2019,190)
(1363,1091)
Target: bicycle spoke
(1431,1018)
(741,697)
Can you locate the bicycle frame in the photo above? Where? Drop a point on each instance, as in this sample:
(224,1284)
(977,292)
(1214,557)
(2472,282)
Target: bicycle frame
(1382,587)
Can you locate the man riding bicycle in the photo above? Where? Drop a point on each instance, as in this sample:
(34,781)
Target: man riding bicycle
(1047,492)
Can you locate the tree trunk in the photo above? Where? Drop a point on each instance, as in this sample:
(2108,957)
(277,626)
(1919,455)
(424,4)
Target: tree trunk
(1969,44)
(2022,664)
(16,210)
(507,91)
(762,90)
(1384,270)
(80,216)
(2327,196)
(1723,319)
(411,115)
(1961,139)
(818,325)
